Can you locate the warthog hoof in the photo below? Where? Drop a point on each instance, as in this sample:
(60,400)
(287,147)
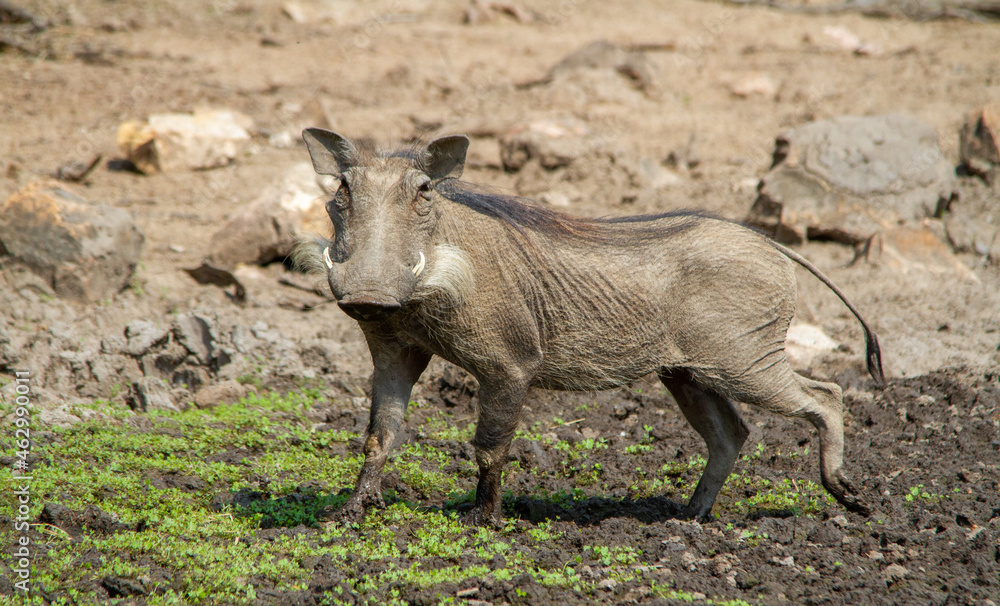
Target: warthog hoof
(355,509)
(845,493)
(693,513)
(477,518)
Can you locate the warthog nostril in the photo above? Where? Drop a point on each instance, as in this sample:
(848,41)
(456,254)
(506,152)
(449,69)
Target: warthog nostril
(368,310)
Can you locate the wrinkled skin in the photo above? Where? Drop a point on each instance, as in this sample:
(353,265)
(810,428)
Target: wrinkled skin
(522,297)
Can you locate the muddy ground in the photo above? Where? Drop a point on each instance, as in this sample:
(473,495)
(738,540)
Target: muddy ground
(925,451)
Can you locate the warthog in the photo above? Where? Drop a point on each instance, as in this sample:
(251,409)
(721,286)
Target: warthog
(521,296)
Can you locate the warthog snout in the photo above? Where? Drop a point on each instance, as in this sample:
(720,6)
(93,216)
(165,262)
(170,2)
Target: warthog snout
(366,309)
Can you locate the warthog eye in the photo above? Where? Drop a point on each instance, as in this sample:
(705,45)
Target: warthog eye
(422,203)
(341,200)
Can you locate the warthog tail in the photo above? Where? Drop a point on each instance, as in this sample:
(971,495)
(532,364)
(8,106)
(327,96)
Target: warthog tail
(872,351)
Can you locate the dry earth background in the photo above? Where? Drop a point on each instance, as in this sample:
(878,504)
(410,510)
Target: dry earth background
(680,131)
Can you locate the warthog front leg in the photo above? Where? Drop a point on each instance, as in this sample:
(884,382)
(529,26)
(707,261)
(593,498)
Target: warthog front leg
(397,368)
(499,414)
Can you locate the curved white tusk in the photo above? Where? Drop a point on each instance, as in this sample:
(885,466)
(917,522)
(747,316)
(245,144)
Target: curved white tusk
(326,257)
(419,267)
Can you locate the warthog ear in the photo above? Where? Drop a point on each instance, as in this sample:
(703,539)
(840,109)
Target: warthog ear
(445,158)
(331,154)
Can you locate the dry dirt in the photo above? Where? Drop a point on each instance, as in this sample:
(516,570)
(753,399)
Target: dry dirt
(402,68)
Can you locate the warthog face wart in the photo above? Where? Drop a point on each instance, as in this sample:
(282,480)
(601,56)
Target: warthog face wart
(383,218)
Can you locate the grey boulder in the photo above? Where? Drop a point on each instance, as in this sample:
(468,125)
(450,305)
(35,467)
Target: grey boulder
(849,177)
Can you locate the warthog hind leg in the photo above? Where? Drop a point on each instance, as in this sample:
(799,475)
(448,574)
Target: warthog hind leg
(821,404)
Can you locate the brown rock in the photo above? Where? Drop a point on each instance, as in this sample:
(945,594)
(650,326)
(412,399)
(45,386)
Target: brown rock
(603,55)
(173,142)
(979,142)
(552,143)
(83,251)
(266,228)
(756,83)
(914,249)
(225,392)
(151,393)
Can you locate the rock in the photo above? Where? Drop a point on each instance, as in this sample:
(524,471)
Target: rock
(972,225)
(282,140)
(552,143)
(914,249)
(893,573)
(979,142)
(57,417)
(297,12)
(119,587)
(113,344)
(481,11)
(847,40)
(597,74)
(804,342)
(756,83)
(45,400)
(242,340)
(22,280)
(8,353)
(653,175)
(972,477)
(150,393)
(197,334)
(846,178)
(337,11)
(75,521)
(350,12)
(83,251)
(208,138)
(141,335)
(603,55)
(608,584)
(225,392)
(266,229)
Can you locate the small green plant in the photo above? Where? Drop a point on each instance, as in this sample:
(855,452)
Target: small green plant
(613,556)
(543,533)
(918,493)
(137,286)
(644,445)
(751,538)
(757,454)
(291,511)
(249,379)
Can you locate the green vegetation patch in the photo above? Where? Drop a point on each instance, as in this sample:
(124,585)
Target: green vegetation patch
(229,504)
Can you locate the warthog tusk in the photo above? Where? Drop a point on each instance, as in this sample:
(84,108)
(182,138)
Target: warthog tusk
(326,257)
(419,267)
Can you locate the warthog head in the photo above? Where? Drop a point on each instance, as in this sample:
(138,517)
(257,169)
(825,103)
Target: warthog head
(383,218)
